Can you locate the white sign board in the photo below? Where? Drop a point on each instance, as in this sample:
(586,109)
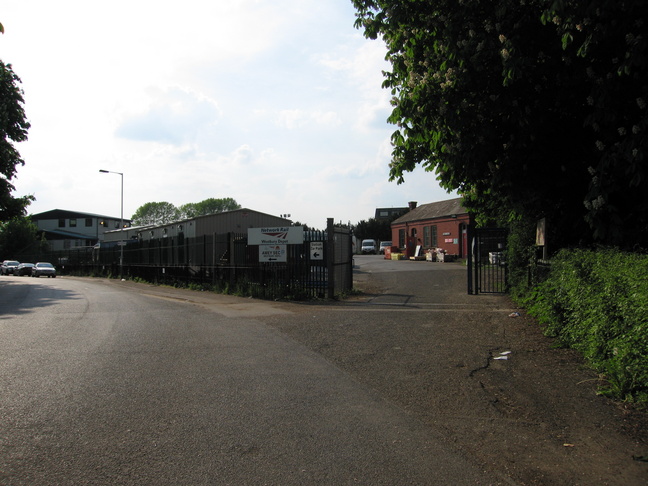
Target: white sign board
(317,250)
(280,235)
(272,253)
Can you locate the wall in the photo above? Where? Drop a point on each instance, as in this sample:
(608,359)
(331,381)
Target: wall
(450,234)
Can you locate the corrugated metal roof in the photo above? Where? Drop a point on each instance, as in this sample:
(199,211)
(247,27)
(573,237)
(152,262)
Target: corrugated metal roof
(433,210)
(65,214)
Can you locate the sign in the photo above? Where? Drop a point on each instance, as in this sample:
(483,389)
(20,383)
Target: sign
(280,235)
(541,232)
(272,253)
(317,250)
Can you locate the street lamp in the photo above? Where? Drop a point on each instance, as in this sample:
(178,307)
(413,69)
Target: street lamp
(121,222)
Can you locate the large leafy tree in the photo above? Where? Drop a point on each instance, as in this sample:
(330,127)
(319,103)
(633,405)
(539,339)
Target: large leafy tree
(166,212)
(13,129)
(208,206)
(532,108)
(20,236)
(153,213)
(373,228)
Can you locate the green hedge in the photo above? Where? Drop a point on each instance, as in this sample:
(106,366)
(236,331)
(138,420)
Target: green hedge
(597,303)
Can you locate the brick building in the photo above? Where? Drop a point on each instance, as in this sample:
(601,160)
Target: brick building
(439,225)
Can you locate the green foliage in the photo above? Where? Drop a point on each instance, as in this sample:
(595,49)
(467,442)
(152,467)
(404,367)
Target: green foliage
(13,128)
(208,206)
(20,235)
(533,108)
(597,303)
(154,213)
(379,229)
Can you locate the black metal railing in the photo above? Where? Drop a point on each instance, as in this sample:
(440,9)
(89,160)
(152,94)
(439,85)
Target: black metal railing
(222,262)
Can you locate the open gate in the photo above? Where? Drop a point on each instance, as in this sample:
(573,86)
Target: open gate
(487,268)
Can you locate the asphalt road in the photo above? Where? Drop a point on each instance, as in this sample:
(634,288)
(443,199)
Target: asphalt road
(107,382)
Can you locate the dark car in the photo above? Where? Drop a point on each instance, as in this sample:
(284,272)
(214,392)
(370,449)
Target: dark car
(45,269)
(24,269)
(8,267)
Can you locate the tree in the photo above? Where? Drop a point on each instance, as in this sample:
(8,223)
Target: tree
(527,108)
(208,206)
(20,235)
(13,129)
(153,213)
(165,212)
(378,229)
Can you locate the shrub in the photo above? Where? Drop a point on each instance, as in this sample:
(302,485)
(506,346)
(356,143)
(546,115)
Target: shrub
(597,303)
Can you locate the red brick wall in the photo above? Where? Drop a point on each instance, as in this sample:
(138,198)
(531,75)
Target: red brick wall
(449,233)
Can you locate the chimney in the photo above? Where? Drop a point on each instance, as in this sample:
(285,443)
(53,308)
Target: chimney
(412,205)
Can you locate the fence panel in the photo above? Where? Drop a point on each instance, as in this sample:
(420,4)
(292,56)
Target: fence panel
(222,261)
(487,267)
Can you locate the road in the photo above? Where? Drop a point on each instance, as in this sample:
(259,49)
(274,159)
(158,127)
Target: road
(108,382)
(410,382)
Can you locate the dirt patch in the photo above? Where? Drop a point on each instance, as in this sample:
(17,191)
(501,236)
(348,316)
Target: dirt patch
(492,384)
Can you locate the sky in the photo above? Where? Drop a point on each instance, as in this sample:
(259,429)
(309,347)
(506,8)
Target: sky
(277,104)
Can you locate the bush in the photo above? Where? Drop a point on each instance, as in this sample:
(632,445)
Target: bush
(597,303)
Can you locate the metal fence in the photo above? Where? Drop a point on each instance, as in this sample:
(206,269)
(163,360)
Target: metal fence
(487,266)
(222,262)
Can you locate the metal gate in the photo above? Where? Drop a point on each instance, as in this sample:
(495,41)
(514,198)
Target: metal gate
(487,268)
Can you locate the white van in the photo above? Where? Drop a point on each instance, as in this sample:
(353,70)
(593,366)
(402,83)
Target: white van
(369,246)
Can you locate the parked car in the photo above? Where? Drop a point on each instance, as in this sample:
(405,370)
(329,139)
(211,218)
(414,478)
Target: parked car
(24,269)
(383,245)
(45,269)
(8,267)
(369,246)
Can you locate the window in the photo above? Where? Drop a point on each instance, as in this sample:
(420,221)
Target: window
(426,237)
(88,222)
(433,237)
(401,238)
(73,223)
(61,223)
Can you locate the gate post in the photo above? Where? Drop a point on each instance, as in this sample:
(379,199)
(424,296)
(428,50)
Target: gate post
(330,254)
(470,255)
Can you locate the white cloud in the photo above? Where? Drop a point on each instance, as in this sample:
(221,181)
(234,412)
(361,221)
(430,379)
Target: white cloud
(174,116)
(275,103)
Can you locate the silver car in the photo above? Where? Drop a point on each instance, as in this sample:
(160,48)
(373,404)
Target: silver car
(45,269)
(8,266)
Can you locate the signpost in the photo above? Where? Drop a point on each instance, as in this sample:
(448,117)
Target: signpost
(317,250)
(273,241)
(272,253)
(280,235)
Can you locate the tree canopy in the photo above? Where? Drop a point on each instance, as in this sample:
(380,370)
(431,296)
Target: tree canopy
(379,229)
(13,129)
(527,108)
(208,206)
(19,235)
(154,213)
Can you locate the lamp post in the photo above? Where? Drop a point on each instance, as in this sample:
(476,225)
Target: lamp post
(121,222)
